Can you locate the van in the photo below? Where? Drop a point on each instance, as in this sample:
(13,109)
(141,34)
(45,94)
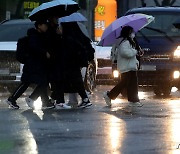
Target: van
(160,66)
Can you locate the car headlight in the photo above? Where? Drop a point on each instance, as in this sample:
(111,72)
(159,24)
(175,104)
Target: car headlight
(177,52)
(176,74)
(115,73)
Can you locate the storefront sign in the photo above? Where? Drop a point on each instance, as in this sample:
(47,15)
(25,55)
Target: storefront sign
(105,14)
(29,6)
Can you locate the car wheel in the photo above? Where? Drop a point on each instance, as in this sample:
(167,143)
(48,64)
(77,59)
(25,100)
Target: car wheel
(157,91)
(90,78)
(124,93)
(166,90)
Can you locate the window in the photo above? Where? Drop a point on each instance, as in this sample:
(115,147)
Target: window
(13,32)
(163,22)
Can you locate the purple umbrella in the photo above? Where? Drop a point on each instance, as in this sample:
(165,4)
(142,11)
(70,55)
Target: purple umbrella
(137,21)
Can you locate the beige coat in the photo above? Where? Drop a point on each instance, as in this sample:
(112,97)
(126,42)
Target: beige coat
(126,57)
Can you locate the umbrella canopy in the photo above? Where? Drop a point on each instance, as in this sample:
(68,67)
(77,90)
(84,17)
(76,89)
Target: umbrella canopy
(73,18)
(136,21)
(58,8)
(83,29)
(177,24)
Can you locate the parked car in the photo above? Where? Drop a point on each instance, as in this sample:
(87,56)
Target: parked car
(160,66)
(11,69)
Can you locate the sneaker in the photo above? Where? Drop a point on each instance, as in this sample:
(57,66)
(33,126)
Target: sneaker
(12,104)
(107,99)
(30,102)
(48,106)
(85,103)
(72,104)
(62,106)
(52,101)
(135,104)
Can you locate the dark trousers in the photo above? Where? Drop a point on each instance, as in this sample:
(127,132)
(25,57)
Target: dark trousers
(20,90)
(77,83)
(57,91)
(40,90)
(127,82)
(71,82)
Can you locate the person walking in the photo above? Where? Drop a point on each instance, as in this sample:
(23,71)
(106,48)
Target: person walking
(125,53)
(69,66)
(85,42)
(56,77)
(35,68)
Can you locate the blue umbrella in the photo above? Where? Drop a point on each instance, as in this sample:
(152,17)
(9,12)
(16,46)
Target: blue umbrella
(73,18)
(83,29)
(58,8)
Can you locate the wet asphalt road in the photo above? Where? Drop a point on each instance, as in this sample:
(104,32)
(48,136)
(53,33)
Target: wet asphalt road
(151,129)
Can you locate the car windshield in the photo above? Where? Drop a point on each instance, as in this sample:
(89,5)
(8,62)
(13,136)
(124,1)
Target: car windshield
(162,25)
(12,32)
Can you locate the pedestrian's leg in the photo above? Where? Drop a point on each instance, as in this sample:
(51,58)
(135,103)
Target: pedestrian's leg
(36,93)
(132,91)
(19,91)
(73,98)
(83,72)
(123,82)
(59,94)
(132,88)
(44,95)
(82,92)
(81,89)
(40,90)
(77,83)
(53,90)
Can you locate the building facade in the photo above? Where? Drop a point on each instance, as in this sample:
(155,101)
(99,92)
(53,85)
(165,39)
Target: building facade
(14,9)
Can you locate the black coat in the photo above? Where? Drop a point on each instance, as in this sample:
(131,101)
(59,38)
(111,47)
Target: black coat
(65,69)
(35,70)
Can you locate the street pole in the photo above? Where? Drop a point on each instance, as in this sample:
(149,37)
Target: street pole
(87,9)
(90,12)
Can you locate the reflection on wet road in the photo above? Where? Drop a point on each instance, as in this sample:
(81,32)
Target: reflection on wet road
(153,128)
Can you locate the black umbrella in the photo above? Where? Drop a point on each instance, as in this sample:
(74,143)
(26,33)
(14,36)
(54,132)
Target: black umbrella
(177,23)
(58,8)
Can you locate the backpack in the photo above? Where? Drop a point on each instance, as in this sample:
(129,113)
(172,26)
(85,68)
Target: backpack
(114,50)
(22,51)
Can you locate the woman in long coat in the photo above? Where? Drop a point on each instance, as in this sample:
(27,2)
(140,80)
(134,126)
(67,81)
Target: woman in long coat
(69,65)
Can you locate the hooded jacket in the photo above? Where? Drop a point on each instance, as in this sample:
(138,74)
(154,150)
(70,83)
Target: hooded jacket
(126,57)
